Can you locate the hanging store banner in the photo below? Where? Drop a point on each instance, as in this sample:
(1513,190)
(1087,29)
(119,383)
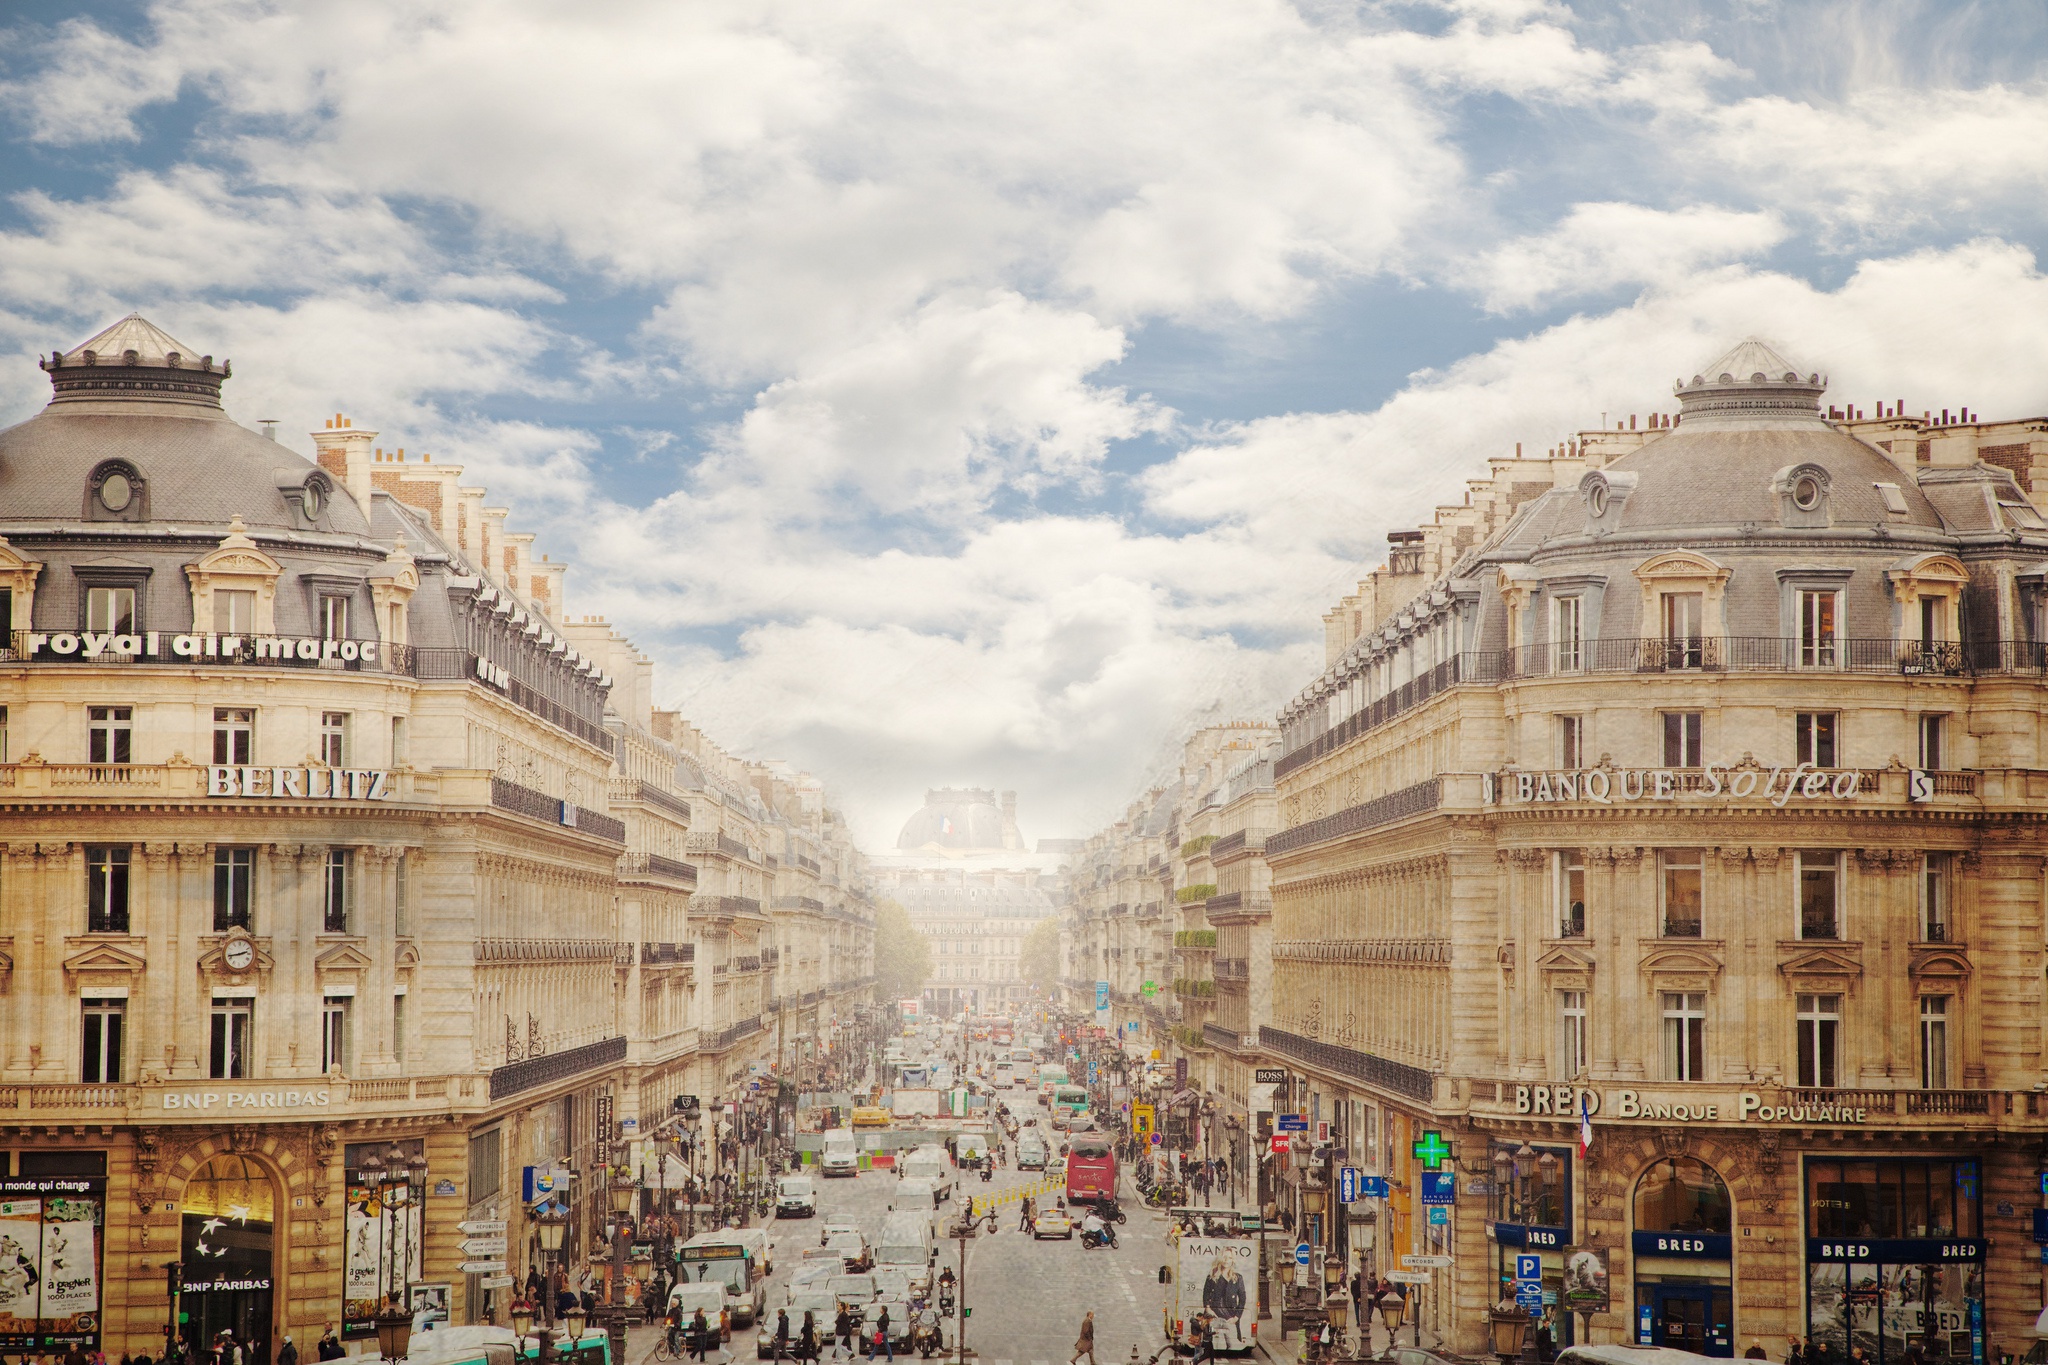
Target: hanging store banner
(51,1245)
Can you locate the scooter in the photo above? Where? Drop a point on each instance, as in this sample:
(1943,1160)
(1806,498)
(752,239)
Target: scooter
(1111,1211)
(1104,1238)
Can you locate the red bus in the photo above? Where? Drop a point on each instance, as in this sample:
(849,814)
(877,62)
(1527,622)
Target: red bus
(1091,1169)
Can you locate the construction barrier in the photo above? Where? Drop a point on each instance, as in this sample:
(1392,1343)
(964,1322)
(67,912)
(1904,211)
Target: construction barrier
(981,1206)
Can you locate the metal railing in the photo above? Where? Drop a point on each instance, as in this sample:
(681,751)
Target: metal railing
(656,865)
(516,1077)
(1415,800)
(1398,1077)
(1693,654)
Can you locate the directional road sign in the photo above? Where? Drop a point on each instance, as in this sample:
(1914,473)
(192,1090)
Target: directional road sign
(1528,1295)
(481,1247)
(1426,1262)
(482,1227)
(497,1282)
(1408,1276)
(483,1267)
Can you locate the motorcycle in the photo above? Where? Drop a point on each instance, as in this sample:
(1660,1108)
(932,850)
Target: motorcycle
(1105,1238)
(946,1300)
(1111,1211)
(927,1338)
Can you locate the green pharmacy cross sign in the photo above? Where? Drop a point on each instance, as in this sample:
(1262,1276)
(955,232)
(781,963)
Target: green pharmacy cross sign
(1432,1151)
(1150,988)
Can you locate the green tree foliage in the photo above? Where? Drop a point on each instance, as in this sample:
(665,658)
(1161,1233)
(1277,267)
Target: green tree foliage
(1039,962)
(903,960)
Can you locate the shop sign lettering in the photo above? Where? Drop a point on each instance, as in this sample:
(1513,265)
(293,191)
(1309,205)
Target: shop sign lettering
(204,1100)
(1562,1101)
(287,784)
(163,645)
(1607,786)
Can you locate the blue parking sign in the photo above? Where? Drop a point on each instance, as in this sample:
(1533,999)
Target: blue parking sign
(1439,1216)
(1528,1268)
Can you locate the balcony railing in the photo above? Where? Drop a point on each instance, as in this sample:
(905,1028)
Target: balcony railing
(1701,654)
(1948,1101)
(1415,800)
(1820,924)
(655,865)
(510,796)
(517,1077)
(1398,1077)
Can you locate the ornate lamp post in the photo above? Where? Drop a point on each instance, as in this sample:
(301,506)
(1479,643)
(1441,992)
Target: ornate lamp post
(551,1221)
(623,1194)
(1393,1308)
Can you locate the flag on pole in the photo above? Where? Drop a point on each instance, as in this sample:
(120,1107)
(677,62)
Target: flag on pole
(1585,1126)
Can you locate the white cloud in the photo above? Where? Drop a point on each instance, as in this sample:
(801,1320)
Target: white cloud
(1601,247)
(906,246)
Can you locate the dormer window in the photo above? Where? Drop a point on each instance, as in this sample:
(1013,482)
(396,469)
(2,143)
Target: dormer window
(116,491)
(1806,493)
(1802,491)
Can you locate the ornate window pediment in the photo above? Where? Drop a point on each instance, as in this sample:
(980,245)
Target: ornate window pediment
(18,575)
(1690,957)
(93,960)
(235,565)
(1835,962)
(1684,571)
(1565,957)
(1938,963)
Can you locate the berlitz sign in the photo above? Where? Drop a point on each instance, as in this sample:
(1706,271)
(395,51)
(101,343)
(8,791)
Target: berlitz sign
(246,1101)
(172,648)
(315,784)
(1608,786)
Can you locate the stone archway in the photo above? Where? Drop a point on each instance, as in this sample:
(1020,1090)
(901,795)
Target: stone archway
(229,1214)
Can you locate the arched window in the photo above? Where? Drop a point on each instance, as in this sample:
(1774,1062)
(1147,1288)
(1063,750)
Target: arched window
(1679,1194)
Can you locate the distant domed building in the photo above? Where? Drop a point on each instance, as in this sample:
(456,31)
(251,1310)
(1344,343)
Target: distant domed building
(972,887)
(962,820)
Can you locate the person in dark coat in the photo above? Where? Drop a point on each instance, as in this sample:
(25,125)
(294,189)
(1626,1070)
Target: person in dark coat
(842,1331)
(329,1347)
(807,1339)
(287,1354)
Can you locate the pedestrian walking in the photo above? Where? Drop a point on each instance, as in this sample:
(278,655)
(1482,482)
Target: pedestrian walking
(881,1338)
(781,1332)
(842,1334)
(287,1354)
(330,1345)
(807,1340)
(1084,1344)
(700,1331)
(1024,1212)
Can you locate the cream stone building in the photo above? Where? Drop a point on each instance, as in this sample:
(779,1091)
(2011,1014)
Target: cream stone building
(1686,783)
(1677,789)
(348,886)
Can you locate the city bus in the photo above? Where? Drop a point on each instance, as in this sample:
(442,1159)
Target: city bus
(1069,1105)
(1091,1169)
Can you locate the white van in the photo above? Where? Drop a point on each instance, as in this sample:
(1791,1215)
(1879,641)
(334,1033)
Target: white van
(906,1245)
(840,1155)
(1006,1075)
(914,1195)
(931,1163)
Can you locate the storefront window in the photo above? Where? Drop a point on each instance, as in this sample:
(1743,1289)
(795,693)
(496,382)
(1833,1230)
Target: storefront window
(1680,1194)
(1895,1257)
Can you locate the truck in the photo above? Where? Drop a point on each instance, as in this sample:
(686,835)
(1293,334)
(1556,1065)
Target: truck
(1213,1287)
(919,1103)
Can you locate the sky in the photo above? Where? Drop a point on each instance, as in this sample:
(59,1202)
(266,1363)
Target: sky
(961,393)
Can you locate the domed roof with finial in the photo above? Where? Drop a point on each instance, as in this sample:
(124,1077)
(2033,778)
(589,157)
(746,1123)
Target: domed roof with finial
(1750,382)
(136,397)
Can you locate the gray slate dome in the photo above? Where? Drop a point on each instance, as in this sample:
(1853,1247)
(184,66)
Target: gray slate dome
(135,400)
(955,818)
(1748,422)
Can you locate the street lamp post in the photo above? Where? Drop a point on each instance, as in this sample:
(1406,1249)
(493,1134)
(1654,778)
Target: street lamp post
(622,1193)
(551,1221)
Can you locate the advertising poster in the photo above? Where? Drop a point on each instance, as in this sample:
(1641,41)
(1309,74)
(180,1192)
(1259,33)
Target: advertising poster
(1224,1272)
(50,1247)
(1585,1280)
(384,1250)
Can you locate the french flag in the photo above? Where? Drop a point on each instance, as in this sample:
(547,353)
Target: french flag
(1585,1126)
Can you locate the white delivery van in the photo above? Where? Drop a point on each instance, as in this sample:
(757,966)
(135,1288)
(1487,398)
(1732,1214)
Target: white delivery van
(906,1245)
(840,1155)
(932,1164)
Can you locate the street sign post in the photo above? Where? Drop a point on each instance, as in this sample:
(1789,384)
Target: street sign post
(1439,1216)
(1373,1187)
(1408,1276)
(479,1248)
(1528,1268)
(1301,1253)
(483,1267)
(482,1227)
(1426,1262)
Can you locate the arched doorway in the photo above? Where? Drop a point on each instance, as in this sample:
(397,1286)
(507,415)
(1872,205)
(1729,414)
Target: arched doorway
(230,1211)
(1682,1248)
